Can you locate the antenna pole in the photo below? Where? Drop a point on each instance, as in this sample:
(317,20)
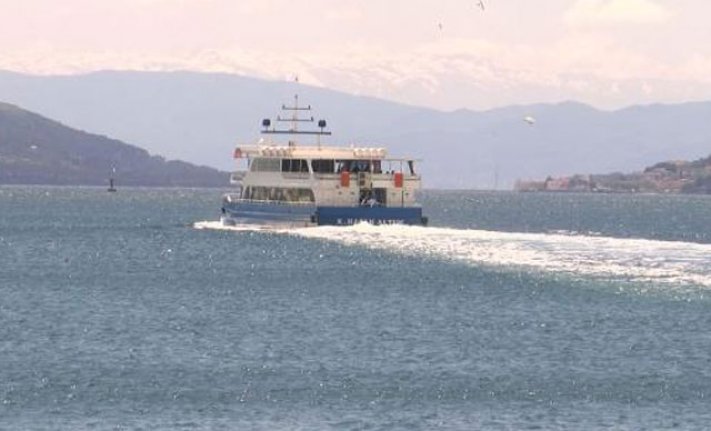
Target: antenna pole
(295,115)
(294,119)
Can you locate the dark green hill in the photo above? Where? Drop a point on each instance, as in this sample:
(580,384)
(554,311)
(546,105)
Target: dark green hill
(37,150)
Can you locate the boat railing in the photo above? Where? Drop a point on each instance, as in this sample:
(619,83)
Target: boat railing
(233,199)
(238,176)
(296,175)
(374,175)
(326,176)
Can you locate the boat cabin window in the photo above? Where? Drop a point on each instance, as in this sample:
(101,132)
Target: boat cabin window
(294,165)
(343,165)
(280,194)
(411,165)
(377,167)
(265,165)
(356,166)
(360,166)
(323,166)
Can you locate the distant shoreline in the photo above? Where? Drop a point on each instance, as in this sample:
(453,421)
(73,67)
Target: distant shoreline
(670,177)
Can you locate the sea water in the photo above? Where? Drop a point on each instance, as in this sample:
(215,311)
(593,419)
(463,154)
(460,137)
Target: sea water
(136,310)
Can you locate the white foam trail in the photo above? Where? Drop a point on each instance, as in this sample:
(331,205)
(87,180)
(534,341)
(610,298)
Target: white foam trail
(639,260)
(593,256)
(218,225)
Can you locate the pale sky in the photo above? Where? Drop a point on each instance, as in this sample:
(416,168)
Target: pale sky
(446,54)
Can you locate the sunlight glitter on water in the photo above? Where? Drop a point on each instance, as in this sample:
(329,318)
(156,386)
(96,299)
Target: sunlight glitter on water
(594,256)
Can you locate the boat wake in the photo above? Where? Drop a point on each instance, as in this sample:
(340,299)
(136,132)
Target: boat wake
(617,259)
(218,225)
(614,259)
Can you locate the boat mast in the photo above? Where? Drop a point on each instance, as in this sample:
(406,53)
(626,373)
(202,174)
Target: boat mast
(295,119)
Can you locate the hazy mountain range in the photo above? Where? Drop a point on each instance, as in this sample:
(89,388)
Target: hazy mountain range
(37,150)
(199,117)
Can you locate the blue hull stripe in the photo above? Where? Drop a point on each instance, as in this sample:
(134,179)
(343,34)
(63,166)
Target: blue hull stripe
(341,216)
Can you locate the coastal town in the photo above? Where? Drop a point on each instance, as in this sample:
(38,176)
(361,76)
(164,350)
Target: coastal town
(665,177)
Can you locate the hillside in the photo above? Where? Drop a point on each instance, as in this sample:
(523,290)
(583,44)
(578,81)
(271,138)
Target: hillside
(199,117)
(36,150)
(677,176)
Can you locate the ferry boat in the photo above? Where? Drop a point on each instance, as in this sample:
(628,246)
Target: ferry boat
(317,184)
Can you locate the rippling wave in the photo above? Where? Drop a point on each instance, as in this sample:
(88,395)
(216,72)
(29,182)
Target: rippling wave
(119,311)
